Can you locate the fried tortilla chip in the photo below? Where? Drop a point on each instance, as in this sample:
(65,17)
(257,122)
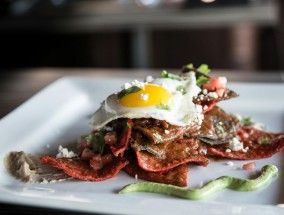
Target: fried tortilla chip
(172,154)
(257,144)
(80,169)
(175,176)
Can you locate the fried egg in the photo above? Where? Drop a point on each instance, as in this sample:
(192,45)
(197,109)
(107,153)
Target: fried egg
(160,98)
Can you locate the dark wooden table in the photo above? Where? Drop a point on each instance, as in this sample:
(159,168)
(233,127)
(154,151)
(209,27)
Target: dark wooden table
(19,85)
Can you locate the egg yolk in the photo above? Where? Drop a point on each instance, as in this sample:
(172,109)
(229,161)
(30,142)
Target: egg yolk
(150,95)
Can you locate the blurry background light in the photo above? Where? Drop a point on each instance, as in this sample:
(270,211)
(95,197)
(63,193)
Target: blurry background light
(207,1)
(58,2)
(149,3)
(235,34)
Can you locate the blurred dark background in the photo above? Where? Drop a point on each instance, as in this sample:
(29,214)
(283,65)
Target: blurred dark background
(236,34)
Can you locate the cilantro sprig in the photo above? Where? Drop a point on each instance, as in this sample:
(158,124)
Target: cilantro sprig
(203,72)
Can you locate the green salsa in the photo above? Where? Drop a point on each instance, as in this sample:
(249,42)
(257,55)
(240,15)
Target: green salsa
(268,172)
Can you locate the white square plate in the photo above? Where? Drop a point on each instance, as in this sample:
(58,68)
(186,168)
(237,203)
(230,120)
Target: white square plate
(60,113)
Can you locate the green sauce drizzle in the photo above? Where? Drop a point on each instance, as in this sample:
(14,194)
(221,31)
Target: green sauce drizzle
(268,172)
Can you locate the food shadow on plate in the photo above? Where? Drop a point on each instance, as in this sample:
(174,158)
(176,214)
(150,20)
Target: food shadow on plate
(280,180)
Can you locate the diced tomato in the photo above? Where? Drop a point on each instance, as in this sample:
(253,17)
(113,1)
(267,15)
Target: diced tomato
(97,157)
(106,159)
(87,154)
(249,166)
(216,84)
(110,138)
(83,143)
(96,162)
(220,92)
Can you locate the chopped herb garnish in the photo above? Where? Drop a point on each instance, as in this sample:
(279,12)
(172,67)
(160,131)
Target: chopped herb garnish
(203,68)
(157,136)
(220,128)
(165,74)
(88,137)
(263,141)
(99,144)
(247,121)
(124,92)
(163,107)
(181,89)
(128,125)
(97,140)
(201,80)
(190,66)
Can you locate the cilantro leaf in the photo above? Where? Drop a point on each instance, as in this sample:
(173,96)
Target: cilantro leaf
(263,141)
(202,73)
(201,80)
(163,107)
(165,74)
(124,92)
(189,66)
(247,121)
(128,125)
(98,142)
(220,129)
(181,89)
(203,68)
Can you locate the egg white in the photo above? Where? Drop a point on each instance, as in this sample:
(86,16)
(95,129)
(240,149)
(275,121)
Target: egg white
(183,111)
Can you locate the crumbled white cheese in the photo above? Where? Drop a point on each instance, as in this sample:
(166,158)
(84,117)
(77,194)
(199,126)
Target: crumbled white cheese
(164,85)
(133,83)
(228,150)
(230,163)
(213,95)
(245,149)
(64,153)
(205,107)
(108,128)
(259,126)
(166,131)
(205,91)
(235,144)
(138,83)
(149,78)
(201,97)
(200,116)
(203,151)
(144,97)
(126,86)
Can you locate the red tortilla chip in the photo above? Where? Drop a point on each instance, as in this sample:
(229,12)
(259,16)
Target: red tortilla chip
(176,176)
(174,154)
(81,170)
(210,105)
(252,139)
(123,143)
